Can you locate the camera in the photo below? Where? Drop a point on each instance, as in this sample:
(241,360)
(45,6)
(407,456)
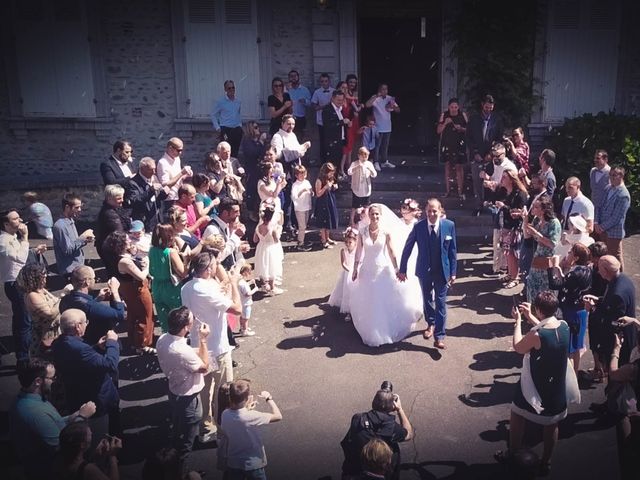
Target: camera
(617,326)
(387,386)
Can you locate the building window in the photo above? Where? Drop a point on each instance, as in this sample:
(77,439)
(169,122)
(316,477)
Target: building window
(220,43)
(53,59)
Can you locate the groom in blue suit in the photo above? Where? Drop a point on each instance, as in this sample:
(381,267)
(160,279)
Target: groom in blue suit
(435,267)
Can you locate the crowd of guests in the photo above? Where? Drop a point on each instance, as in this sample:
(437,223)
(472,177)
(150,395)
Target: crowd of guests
(173,241)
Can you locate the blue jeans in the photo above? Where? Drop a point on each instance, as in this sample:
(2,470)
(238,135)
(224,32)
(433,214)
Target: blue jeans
(186,414)
(257,474)
(526,257)
(20,321)
(382,147)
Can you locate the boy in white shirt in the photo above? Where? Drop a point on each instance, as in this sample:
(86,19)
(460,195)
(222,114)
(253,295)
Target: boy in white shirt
(361,173)
(246,290)
(301,193)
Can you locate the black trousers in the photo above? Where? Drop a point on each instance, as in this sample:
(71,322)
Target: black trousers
(233,136)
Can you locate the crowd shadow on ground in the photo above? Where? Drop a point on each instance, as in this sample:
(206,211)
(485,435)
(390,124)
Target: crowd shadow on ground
(329,331)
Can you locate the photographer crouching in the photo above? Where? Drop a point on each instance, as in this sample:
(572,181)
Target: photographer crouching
(379,422)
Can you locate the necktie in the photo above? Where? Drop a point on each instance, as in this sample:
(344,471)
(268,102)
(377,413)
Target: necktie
(485,126)
(433,232)
(326,91)
(566,217)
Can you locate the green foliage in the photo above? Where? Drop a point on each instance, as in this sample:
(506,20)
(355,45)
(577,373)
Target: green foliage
(576,141)
(494,45)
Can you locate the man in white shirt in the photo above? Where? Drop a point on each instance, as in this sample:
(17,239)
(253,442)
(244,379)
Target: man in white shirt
(500,164)
(14,250)
(246,457)
(285,141)
(184,368)
(204,297)
(170,171)
(320,98)
(576,204)
(383,104)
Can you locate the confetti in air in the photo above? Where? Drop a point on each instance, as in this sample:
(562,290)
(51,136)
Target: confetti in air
(433,65)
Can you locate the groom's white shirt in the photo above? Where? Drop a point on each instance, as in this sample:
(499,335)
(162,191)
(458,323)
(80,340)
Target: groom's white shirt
(437,225)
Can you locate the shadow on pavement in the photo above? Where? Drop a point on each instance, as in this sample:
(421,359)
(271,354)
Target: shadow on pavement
(340,338)
(482,331)
(495,359)
(499,393)
(453,470)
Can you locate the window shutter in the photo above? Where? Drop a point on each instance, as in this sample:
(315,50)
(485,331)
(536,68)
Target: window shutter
(237,12)
(566,15)
(603,15)
(202,11)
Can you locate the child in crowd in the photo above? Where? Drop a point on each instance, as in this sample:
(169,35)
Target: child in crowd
(370,138)
(38,215)
(342,291)
(204,204)
(246,290)
(140,241)
(301,193)
(361,173)
(269,254)
(326,211)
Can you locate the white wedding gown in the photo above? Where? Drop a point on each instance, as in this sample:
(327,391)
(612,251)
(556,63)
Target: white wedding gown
(383,309)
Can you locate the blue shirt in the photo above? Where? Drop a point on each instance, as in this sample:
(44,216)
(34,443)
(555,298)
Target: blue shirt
(297,94)
(35,426)
(101,317)
(67,246)
(226,113)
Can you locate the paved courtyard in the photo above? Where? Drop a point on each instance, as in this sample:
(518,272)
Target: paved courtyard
(320,373)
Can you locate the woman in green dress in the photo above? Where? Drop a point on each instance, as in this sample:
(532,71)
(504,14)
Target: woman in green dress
(166,268)
(545,229)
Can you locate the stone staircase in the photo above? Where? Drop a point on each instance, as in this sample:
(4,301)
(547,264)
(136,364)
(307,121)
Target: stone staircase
(420,178)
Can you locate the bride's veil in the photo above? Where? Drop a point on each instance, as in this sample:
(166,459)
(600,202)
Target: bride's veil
(394,226)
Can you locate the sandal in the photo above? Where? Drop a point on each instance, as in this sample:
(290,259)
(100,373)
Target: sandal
(512,284)
(502,456)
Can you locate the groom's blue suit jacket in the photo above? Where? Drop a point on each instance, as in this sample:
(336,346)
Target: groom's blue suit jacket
(419,234)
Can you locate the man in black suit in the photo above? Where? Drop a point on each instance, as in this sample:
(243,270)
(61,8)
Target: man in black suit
(117,169)
(335,131)
(619,300)
(143,195)
(484,129)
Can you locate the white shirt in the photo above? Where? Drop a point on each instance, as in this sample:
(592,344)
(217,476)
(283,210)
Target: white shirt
(321,97)
(167,169)
(246,292)
(431,225)
(232,241)
(287,146)
(361,175)
(581,205)
(381,114)
(301,199)
(338,111)
(13,256)
(498,170)
(125,167)
(180,363)
(209,305)
(245,450)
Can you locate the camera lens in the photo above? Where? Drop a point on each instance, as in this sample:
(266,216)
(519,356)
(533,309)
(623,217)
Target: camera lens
(387,385)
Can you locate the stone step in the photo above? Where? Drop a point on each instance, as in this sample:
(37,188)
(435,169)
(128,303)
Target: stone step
(460,217)
(393,198)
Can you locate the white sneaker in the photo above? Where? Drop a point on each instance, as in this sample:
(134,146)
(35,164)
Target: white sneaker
(377,167)
(247,333)
(388,164)
(208,437)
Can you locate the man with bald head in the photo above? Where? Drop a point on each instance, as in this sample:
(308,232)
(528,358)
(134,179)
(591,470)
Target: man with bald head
(576,203)
(619,300)
(170,170)
(143,194)
(88,373)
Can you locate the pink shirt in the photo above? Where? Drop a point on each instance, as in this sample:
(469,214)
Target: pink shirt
(192,217)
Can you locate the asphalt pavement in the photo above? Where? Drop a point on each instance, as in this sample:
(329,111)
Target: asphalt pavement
(320,373)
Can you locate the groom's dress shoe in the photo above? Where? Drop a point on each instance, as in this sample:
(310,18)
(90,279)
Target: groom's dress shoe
(440,344)
(428,333)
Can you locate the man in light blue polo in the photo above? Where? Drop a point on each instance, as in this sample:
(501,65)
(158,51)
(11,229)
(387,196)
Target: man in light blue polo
(301,98)
(226,118)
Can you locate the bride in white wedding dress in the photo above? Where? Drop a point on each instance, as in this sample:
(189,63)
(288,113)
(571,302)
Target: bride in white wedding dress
(383,309)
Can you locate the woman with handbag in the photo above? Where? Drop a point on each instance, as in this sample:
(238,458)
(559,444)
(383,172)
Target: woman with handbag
(545,229)
(167,271)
